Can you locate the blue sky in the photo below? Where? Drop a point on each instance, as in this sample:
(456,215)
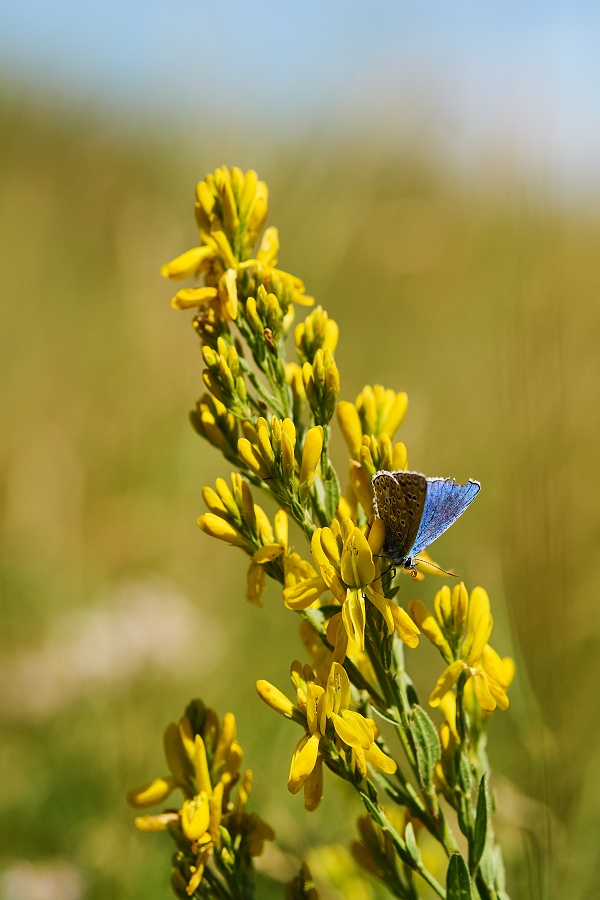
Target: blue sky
(520,77)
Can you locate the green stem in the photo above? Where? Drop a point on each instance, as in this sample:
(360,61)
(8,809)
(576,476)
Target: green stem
(431,816)
(389,689)
(377,813)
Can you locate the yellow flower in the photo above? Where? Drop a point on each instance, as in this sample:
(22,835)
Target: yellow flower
(381,411)
(317,332)
(371,450)
(311,454)
(375,412)
(325,713)
(347,568)
(460,630)
(231,209)
(322,385)
(204,758)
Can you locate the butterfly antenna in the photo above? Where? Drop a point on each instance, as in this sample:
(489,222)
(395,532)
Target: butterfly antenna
(433,566)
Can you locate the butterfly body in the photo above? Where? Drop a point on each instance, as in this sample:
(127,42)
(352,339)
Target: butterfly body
(416,510)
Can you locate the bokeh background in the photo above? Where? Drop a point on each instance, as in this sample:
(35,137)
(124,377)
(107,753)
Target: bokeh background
(434,175)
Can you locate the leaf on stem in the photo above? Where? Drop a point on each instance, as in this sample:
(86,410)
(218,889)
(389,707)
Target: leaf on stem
(427,745)
(481,824)
(458,881)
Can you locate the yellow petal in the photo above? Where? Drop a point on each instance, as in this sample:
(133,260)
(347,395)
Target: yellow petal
(159,822)
(311,454)
(442,605)
(251,458)
(305,593)
(281,527)
(256,583)
(265,531)
(226,738)
(201,767)
(353,615)
(222,242)
(376,536)
(195,816)
(399,457)
(304,760)
(380,760)
(333,582)
(274,698)
(460,608)
(269,247)
(216,811)
(479,604)
(314,695)
(213,501)
(313,787)
(406,628)
(482,691)
(396,414)
(357,567)
(330,547)
(228,294)
(267,553)
(353,729)
(187,264)
(349,422)
(445,682)
(217,527)
(428,625)
(360,483)
(187,298)
(477,640)
(153,792)
(338,689)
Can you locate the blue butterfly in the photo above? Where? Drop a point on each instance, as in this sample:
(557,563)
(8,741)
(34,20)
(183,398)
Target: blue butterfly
(416,510)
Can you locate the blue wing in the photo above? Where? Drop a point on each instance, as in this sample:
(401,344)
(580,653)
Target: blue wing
(445,502)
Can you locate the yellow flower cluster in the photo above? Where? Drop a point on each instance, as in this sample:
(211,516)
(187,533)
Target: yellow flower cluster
(368,427)
(460,629)
(231,210)
(204,760)
(324,711)
(272,456)
(271,419)
(348,567)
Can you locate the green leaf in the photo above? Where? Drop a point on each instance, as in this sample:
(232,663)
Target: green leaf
(458,881)
(427,745)
(464,773)
(332,494)
(411,843)
(481,824)
(499,868)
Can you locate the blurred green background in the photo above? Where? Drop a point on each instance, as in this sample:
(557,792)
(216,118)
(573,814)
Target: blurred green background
(474,287)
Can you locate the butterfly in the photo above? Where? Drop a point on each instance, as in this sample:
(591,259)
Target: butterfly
(416,510)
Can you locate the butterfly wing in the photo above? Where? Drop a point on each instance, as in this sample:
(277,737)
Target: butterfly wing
(445,502)
(400,499)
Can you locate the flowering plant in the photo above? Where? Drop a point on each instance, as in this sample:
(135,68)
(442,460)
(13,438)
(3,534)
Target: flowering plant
(271,420)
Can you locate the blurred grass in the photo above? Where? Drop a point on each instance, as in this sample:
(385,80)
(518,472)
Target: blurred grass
(475,292)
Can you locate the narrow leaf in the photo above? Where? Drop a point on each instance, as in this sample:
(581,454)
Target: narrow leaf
(458,881)
(411,843)
(332,494)
(464,774)
(481,824)
(499,868)
(427,745)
